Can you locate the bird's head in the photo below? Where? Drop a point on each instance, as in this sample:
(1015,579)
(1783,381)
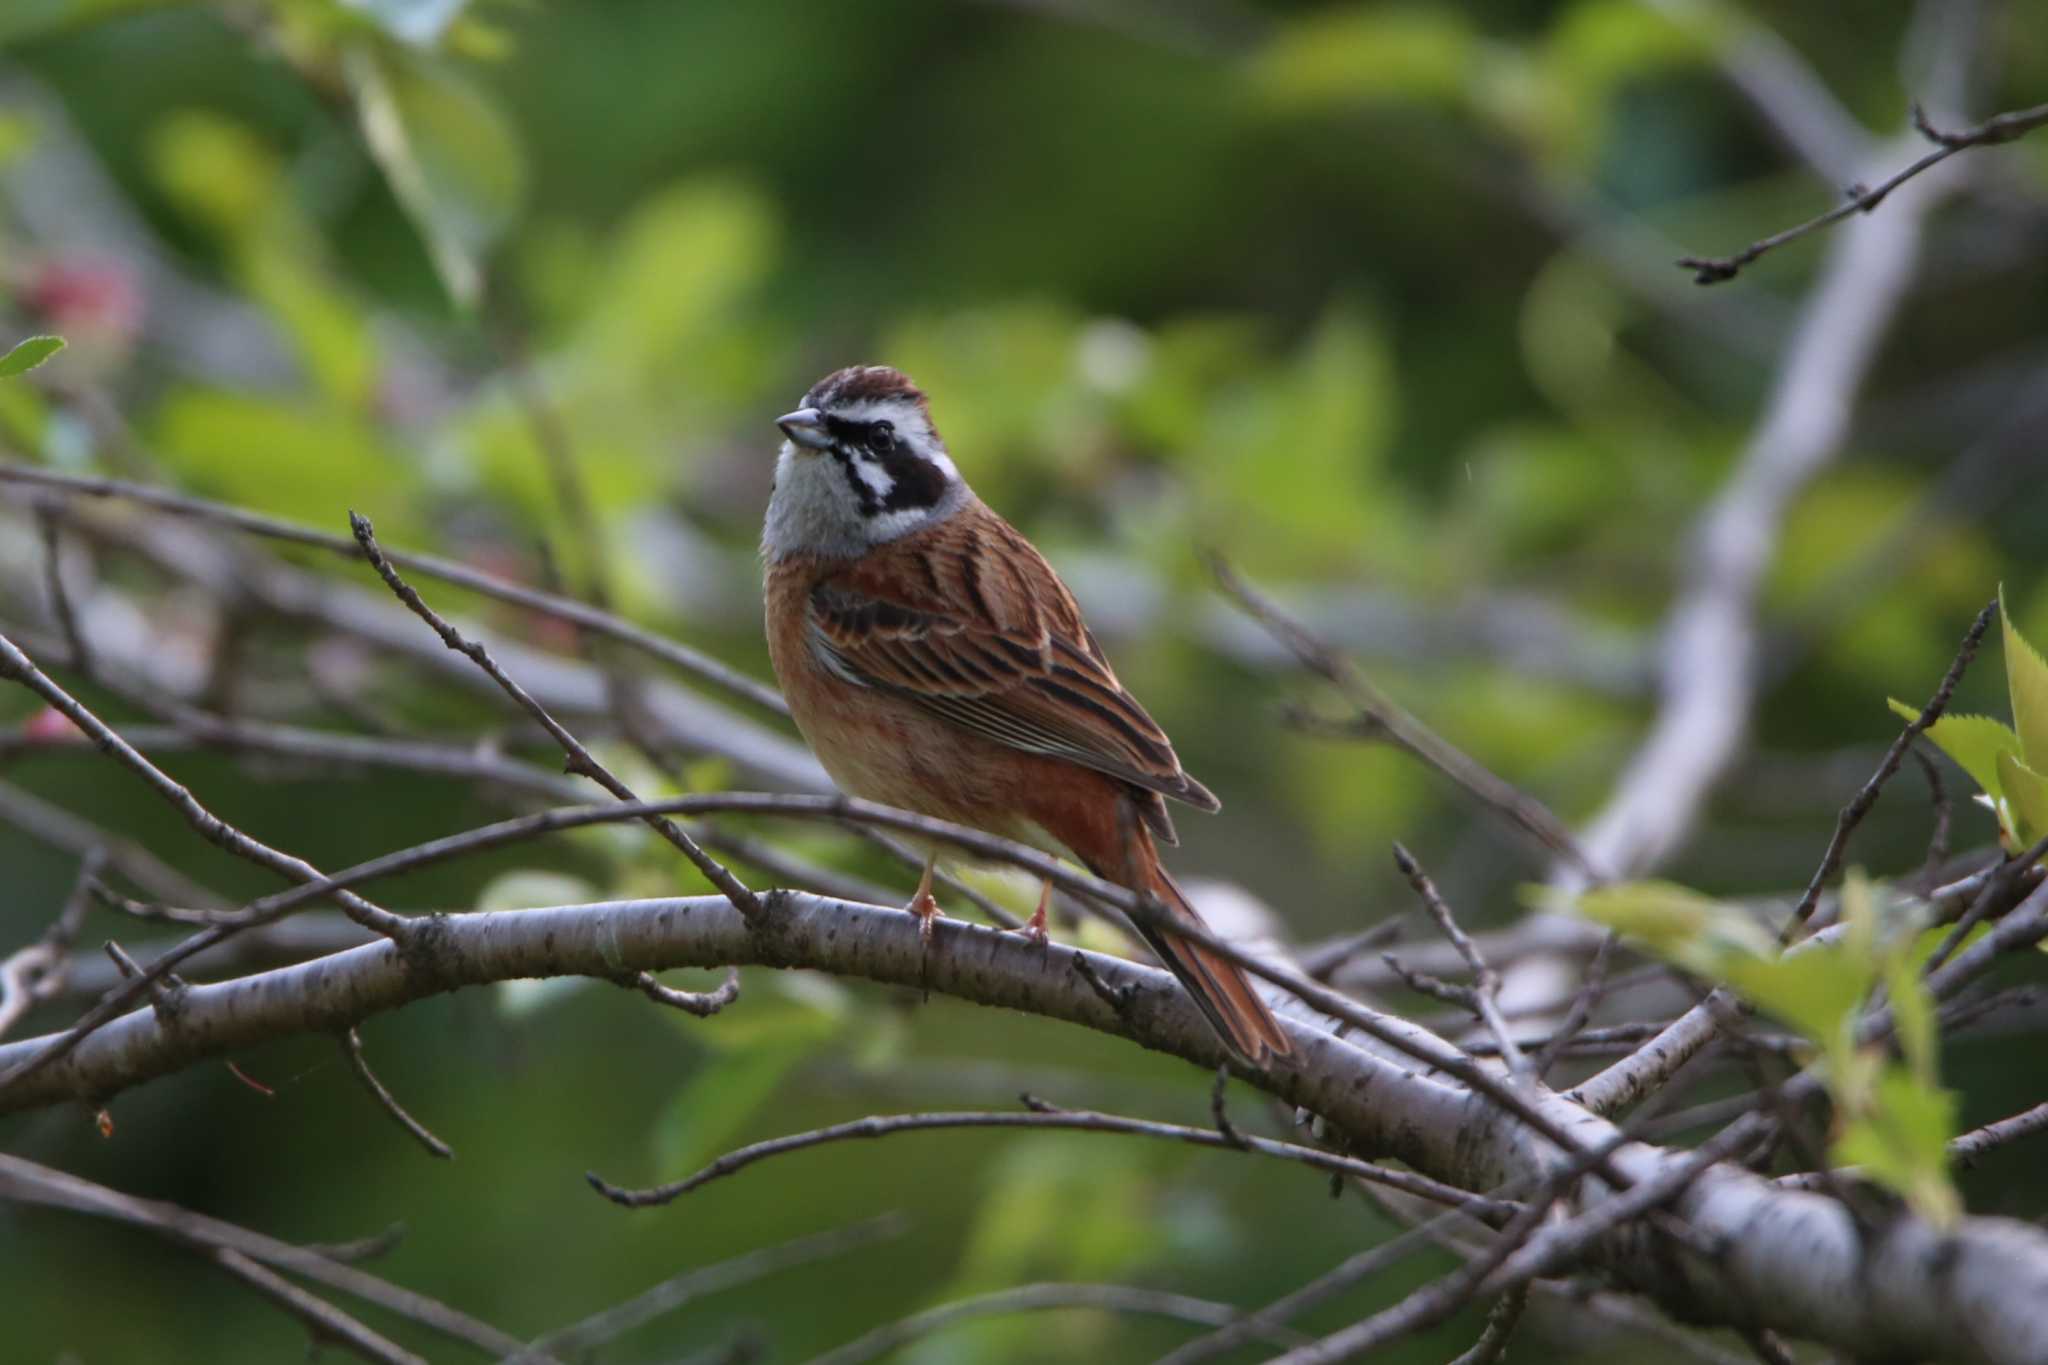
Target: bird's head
(861,465)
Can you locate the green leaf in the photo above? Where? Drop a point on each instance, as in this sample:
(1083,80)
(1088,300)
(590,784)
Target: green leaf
(1901,1141)
(331,335)
(21,20)
(1679,923)
(234,446)
(449,154)
(1816,992)
(1914,1019)
(28,354)
(2026,791)
(1974,742)
(1359,56)
(2026,674)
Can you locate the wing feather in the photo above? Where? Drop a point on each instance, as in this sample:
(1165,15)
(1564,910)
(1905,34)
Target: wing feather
(969,621)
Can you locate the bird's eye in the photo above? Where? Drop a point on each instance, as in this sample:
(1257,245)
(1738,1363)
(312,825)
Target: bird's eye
(882,438)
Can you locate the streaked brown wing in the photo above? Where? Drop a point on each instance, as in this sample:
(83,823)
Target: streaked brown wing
(969,621)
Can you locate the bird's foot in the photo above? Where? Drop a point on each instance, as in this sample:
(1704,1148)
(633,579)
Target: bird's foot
(928,915)
(1034,928)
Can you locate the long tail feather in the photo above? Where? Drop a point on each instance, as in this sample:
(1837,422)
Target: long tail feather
(1219,987)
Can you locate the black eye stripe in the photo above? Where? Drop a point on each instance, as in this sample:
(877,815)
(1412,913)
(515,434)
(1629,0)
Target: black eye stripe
(915,481)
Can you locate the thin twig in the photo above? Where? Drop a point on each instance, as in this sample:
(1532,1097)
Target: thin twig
(47,522)
(372,1248)
(1219,1110)
(327,1323)
(1524,1250)
(2003,128)
(37,972)
(580,760)
(1043,1117)
(1484,996)
(1386,720)
(1500,1328)
(1034,1298)
(28,1183)
(1975,1143)
(1944,814)
(1859,806)
(352,1048)
(16,666)
(578,1340)
(1584,1000)
(699,665)
(53,825)
(703,1004)
(1998,888)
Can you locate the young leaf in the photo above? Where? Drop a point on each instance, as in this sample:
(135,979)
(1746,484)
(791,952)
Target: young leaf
(2027,793)
(2026,674)
(1817,992)
(28,354)
(450,155)
(1974,742)
(1901,1140)
(1677,922)
(1914,1019)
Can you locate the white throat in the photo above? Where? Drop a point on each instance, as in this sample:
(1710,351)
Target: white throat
(813,512)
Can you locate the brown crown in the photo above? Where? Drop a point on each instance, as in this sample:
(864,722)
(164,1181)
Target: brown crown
(863,384)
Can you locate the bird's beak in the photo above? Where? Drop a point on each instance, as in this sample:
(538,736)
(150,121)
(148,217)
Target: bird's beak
(805,426)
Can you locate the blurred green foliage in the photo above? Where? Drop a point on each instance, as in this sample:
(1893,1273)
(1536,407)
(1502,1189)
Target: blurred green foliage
(1322,286)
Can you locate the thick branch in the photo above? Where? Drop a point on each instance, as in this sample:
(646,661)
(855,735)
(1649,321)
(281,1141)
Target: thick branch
(1793,1260)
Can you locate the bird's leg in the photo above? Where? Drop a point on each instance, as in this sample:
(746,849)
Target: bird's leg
(1034,928)
(922,905)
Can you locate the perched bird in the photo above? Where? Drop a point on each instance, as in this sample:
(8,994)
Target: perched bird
(935,662)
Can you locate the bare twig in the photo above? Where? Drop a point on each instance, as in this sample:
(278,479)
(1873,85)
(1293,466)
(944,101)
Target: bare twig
(1064,1120)
(1500,1328)
(1484,996)
(1383,719)
(1034,1298)
(37,971)
(699,665)
(1792,1280)
(28,1183)
(2003,128)
(1859,805)
(1584,1000)
(1520,1254)
(326,1322)
(1337,1280)
(60,828)
(1944,812)
(703,1004)
(579,1339)
(48,523)
(1998,890)
(352,1048)
(16,666)
(579,758)
(1975,1143)
(1710,647)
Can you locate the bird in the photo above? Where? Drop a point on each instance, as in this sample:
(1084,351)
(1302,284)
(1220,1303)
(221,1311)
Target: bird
(935,662)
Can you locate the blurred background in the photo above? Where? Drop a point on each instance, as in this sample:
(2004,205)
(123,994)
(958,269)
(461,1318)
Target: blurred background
(1375,300)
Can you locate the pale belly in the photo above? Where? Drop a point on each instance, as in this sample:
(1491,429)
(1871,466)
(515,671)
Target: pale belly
(884,749)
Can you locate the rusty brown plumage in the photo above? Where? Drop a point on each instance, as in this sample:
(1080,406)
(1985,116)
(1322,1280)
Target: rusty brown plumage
(948,670)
